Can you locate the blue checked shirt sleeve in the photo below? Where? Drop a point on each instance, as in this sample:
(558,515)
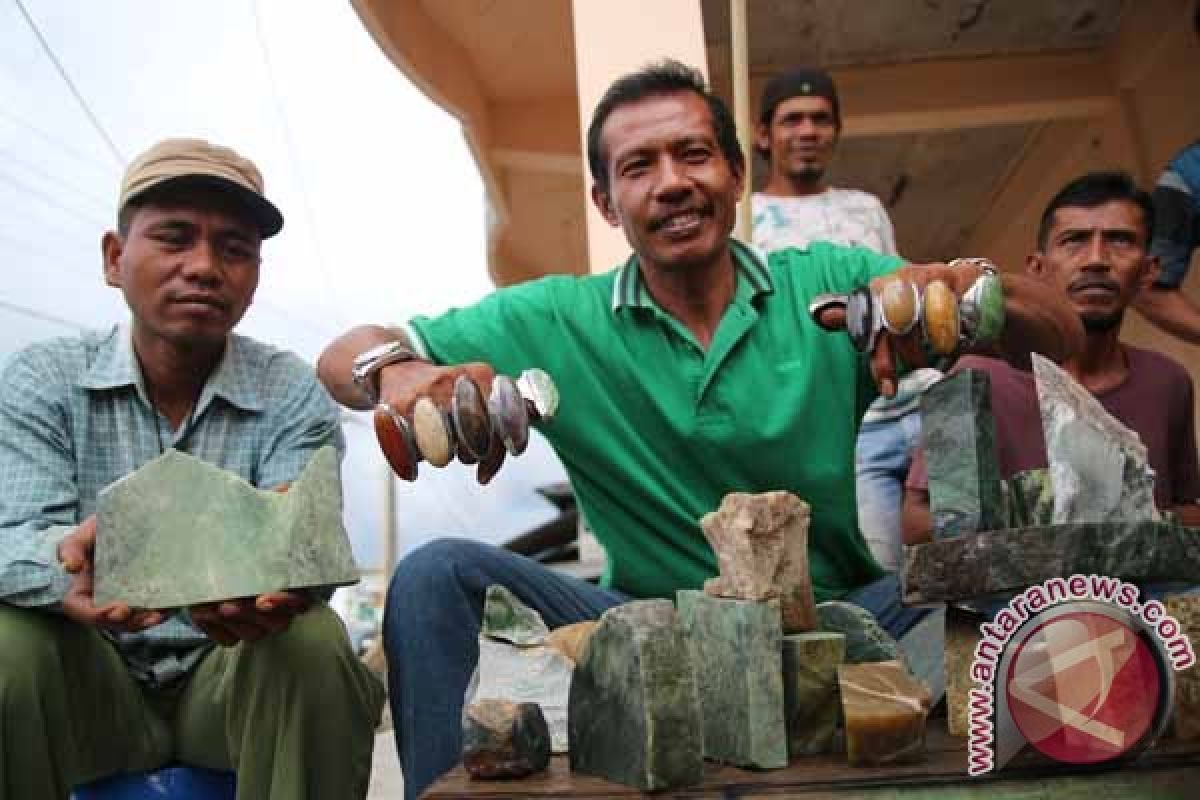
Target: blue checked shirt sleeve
(302,420)
(39,501)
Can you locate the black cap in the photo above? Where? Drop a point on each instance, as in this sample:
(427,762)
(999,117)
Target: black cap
(800,82)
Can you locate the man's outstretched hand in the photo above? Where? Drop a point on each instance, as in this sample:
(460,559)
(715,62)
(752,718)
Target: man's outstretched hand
(248,619)
(75,553)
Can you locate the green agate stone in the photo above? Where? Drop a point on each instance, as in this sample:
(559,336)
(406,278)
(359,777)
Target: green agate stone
(811,703)
(508,619)
(634,714)
(958,435)
(736,652)
(180,531)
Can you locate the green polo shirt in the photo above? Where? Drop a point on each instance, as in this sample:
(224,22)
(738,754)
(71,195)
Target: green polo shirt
(654,430)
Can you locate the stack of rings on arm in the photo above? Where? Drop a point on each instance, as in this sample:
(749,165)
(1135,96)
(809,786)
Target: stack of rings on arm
(468,429)
(947,323)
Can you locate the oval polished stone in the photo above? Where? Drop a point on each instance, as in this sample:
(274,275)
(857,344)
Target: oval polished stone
(540,392)
(940,318)
(431,433)
(510,417)
(471,422)
(898,306)
(395,440)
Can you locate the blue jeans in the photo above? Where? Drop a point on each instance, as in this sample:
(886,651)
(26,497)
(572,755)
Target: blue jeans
(882,460)
(431,635)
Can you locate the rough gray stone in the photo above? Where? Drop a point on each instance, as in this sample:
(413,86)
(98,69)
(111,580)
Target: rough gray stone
(502,739)
(866,640)
(508,619)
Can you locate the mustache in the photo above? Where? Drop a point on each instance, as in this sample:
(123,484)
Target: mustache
(1093,282)
(658,222)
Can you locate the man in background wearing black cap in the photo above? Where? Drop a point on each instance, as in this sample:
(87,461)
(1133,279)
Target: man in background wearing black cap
(799,123)
(88,691)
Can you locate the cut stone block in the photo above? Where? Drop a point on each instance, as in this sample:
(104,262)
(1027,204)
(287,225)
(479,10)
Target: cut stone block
(1030,499)
(1185,719)
(634,711)
(958,435)
(962,636)
(180,531)
(812,706)
(884,710)
(866,640)
(508,619)
(736,653)
(1099,467)
(978,565)
(502,739)
(570,640)
(761,544)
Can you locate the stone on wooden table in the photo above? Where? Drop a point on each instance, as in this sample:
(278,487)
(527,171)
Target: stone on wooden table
(866,640)
(1099,468)
(508,619)
(737,656)
(983,564)
(634,711)
(962,637)
(180,531)
(1185,718)
(883,710)
(811,703)
(761,544)
(502,739)
(958,435)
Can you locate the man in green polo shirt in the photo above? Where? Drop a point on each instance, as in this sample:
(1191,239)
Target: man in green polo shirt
(691,371)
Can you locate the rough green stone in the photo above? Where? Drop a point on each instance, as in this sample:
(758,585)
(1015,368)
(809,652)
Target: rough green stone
(508,619)
(866,640)
(180,531)
(958,435)
(1031,498)
(502,739)
(736,652)
(634,714)
(1100,468)
(978,565)
(810,690)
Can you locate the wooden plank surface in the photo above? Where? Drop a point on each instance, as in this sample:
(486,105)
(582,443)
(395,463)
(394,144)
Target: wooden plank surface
(1171,771)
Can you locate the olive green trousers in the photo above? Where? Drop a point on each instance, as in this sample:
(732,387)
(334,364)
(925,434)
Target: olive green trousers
(293,715)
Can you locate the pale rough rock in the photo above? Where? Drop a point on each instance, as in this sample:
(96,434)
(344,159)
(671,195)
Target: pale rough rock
(761,544)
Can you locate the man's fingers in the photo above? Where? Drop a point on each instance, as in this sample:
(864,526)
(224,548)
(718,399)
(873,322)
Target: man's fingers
(75,550)
(281,601)
(491,462)
(883,366)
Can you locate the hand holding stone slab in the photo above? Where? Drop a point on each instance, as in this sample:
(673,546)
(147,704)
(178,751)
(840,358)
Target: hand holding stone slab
(180,532)
(761,543)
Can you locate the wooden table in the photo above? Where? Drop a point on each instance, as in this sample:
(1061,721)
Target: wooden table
(1172,770)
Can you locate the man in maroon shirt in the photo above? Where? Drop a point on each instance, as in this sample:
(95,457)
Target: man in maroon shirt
(1092,246)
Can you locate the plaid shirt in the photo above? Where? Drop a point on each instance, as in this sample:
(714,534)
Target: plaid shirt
(74,417)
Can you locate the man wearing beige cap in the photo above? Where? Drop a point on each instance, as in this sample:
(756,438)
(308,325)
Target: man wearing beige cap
(87,691)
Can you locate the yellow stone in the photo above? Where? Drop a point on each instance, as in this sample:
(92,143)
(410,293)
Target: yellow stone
(940,318)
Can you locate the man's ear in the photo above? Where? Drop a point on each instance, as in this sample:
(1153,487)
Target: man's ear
(111,247)
(762,137)
(603,202)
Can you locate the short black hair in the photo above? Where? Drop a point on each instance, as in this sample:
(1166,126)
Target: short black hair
(665,77)
(1092,190)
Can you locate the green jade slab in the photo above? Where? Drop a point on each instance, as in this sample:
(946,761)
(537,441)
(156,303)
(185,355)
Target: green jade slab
(958,435)
(508,619)
(180,531)
(736,648)
(812,705)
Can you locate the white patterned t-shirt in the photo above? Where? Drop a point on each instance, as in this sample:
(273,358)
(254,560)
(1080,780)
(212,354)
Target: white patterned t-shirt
(842,216)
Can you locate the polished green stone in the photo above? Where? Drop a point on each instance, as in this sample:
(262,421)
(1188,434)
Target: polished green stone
(180,531)
(1031,498)
(958,435)
(634,714)
(508,619)
(811,703)
(736,652)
